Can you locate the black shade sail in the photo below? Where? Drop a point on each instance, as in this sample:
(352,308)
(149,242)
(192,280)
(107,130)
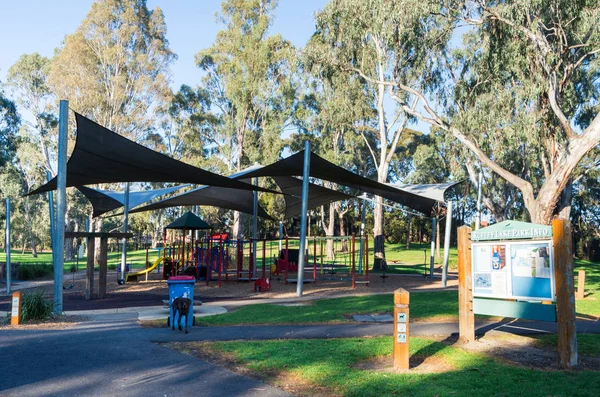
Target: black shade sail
(214,196)
(104,201)
(220,197)
(102,156)
(317,195)
(188,221)
(323,169)
(242,200)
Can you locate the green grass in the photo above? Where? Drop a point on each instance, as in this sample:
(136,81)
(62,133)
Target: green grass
(590,305)
(423,306)
(587,344)
(136,258)
(331,363)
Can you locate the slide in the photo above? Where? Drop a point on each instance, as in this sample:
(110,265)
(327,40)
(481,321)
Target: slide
(134,276)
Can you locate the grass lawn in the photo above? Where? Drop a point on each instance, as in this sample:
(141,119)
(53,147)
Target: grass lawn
(136,258)
(329,367)
(439,306)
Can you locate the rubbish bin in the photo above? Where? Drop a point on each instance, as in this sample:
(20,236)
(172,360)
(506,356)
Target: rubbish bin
(181,286)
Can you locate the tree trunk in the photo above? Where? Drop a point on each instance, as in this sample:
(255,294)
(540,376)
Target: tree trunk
(378,241)
(408,232)
(29,221)
(97,227)
(236,227)
(342,227)
(329,230)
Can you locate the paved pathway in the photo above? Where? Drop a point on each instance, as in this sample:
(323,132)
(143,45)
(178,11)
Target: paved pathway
(111,356)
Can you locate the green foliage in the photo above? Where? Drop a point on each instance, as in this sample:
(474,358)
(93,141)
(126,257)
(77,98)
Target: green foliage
(35,306)
(9,124)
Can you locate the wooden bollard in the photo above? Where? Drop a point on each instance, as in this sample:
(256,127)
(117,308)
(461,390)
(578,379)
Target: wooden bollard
(17,303)
(466,318)
(401,328)
(581,284)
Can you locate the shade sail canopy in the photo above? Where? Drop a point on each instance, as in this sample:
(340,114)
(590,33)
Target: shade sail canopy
(323,169)
(436,191)
(243,200)
(188,221)
(214,196)
(317,195)
(102,156)
(104,201)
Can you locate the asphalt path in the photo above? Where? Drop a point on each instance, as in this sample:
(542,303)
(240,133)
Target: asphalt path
(111,356)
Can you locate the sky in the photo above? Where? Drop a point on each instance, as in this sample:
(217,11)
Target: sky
(29,26)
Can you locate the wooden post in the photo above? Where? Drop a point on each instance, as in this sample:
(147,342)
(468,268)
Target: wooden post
(565,293)
(17,304)
(102,259)
(89,280)
(581,284)
(466,318)
(401,328)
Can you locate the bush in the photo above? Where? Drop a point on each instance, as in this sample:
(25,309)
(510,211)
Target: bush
(32,271)
(73,269)
(112,266)
(35,306)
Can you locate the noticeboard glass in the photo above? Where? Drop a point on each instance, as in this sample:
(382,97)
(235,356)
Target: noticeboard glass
(513,270)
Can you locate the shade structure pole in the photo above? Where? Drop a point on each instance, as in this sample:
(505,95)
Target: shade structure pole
(7,248)
(125,227)
(254,228)
(61,205)
(478,220)
(305,177)
(432,258)
(447,242)
(280,234)
(362,236)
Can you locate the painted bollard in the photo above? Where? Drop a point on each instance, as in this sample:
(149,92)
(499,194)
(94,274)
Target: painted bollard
(15,314)
(401,328)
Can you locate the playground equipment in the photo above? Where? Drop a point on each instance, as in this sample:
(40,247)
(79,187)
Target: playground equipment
(134,276)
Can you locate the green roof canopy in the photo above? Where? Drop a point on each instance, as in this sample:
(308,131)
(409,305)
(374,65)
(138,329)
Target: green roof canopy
(512,230)
(188,221)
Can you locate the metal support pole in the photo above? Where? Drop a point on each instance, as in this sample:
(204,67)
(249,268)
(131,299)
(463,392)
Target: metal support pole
(478,220)
(447,242)
(125,227)
(432,257)
(61,205)
(304,210)
(280,234)
(7,248)
(362,237)
(254,230)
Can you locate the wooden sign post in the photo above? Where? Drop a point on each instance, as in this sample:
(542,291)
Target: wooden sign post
(565,293)
(401,328)
(581,284)
(17,303)
(466,318)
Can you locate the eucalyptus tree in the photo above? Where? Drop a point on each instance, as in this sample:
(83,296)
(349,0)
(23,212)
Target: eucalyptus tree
(250,83)
(28,78)
(333,107)
(525,77)
(9,125)
(114,68)
(369,39)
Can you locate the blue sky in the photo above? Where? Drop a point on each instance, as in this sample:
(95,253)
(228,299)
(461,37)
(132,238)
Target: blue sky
(29,26)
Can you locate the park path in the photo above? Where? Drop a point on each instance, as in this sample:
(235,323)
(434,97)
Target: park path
(111,356)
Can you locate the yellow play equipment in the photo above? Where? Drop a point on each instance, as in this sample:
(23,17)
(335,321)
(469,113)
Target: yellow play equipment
(134,276)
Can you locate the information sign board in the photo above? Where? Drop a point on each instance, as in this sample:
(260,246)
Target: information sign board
(514,270)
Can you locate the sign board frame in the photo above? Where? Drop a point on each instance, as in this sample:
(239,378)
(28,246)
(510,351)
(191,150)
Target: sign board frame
(487,270)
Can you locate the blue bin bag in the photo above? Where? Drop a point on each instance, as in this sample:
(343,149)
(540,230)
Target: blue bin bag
(181,286)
